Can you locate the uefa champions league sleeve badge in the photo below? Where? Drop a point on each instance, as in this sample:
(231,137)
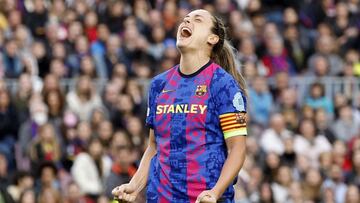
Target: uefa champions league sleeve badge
(238,102)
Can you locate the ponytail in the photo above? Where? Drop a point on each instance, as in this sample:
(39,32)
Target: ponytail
(223,54)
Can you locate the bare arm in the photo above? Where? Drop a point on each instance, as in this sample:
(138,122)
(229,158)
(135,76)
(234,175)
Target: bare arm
(235,160)
(141,176)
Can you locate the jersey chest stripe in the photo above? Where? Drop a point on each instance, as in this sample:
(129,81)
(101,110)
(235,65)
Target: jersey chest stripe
(197,140)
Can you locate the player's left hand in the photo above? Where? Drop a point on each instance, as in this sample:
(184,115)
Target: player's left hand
(207,196)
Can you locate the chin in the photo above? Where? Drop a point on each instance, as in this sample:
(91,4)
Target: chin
(181,46)
(185,45)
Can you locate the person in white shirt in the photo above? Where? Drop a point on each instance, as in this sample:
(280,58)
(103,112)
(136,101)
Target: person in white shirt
(309,144)
(90,169)
(272,139)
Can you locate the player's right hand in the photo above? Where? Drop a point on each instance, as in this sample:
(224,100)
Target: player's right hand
(125,193)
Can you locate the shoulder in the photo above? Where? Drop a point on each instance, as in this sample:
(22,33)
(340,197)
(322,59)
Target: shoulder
(107,160)
(71,95)
(83,157)
(223,80)
(224,85)
(158,82)
(220,75)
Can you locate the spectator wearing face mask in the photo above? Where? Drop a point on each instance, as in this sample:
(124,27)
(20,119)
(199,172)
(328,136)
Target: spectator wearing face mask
(30,128)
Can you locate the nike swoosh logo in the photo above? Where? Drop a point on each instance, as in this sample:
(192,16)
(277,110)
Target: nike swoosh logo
(164,91)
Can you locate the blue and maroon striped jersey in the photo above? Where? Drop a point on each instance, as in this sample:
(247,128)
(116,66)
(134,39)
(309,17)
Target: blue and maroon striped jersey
(192,115)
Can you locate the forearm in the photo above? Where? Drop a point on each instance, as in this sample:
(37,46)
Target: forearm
(141,175)
(230,170)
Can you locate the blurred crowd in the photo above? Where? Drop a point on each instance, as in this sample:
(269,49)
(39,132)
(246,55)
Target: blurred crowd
(65,138)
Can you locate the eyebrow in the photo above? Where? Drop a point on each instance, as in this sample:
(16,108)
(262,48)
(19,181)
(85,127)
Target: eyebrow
(196,16)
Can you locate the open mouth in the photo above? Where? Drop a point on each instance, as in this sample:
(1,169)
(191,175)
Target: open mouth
(185,32)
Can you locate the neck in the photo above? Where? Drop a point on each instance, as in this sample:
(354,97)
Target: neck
(191,62)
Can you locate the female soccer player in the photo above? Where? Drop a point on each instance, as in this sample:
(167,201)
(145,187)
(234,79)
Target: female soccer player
(197,118)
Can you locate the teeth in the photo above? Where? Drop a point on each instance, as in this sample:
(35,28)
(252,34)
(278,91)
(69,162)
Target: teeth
(187,29)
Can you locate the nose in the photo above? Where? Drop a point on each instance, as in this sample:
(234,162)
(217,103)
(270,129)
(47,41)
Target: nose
(187,20)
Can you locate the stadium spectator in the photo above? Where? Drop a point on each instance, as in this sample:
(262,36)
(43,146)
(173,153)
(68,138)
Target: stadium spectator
(277,59)
(352,176)
(91,168)
(27,196)
(335,184)
(122,168)
(295,193)
(30,128)
(22,182)
(266,193)
(105,133)
(73,194)
(326,47)
(282,184)
(83,100)
(11,60)
(322,122)
(309,144)
(352,194)
(262,102)
(82,67)
(311,185)
(276,135)
(8,128)
(317,98)
(45,147)
(345,127)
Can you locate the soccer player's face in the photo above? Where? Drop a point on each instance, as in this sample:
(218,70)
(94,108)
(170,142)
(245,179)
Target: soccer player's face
(195,30)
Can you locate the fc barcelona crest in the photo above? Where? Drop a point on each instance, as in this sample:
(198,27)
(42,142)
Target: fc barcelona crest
(240,117)
(200,90)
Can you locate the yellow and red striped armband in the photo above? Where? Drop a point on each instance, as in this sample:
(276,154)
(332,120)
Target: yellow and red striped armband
(233,124)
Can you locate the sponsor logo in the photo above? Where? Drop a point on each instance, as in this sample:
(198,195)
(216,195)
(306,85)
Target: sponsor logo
(165,91)
(181,108)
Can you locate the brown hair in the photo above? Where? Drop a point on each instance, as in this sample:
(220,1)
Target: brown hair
(222,53)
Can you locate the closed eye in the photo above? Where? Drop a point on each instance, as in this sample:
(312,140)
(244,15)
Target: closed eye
(198,20)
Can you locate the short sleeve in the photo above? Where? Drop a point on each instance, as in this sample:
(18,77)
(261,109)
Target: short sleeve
(231,104)
(150,112)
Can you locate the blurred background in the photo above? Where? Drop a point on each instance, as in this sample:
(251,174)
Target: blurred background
(74,76)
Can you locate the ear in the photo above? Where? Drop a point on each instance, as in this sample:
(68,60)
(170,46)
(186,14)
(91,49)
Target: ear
(213,39)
